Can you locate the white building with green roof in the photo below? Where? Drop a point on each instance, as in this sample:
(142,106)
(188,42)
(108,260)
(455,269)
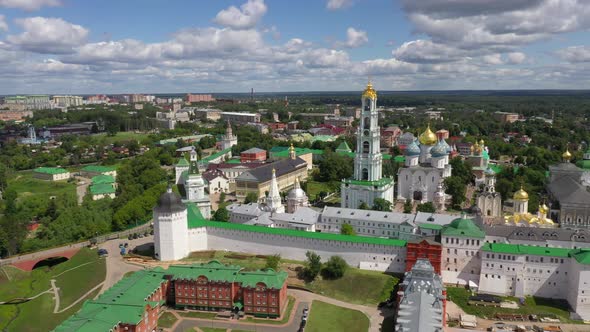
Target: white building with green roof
(51,173)
(367,183)
(94,170)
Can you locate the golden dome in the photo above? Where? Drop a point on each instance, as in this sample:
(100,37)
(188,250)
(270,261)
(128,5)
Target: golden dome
(521,195)
(481,142)
(566,155)
(370,92)
(543,209)
(428,137)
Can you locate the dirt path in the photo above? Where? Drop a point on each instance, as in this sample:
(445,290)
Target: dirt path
(55,296)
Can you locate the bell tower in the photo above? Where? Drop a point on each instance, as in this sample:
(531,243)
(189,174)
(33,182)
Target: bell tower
(368,160)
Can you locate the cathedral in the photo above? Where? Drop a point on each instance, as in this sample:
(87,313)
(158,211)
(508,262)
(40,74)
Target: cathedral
(187,176)
(425,168)
(368,182)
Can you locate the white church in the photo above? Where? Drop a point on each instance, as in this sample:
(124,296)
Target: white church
(368,182)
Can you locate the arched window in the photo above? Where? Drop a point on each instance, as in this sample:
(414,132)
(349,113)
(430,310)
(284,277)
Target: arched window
(366,147)
(367,124)
(365,174)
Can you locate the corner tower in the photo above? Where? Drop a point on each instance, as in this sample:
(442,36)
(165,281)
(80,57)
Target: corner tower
(367,182)
(170,227)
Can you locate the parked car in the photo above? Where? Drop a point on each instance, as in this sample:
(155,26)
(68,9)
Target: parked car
(126,244)
(135,236)
(103,252)
(130,237)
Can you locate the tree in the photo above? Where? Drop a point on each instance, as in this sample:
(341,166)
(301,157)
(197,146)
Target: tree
(347,230)
(456,187)
(222,198)
(334,268)
(221,214)
(364,206)
(251,197)
(272,262)
(426,207)
(313,265)
(381,204)
(408,206)
(334,167)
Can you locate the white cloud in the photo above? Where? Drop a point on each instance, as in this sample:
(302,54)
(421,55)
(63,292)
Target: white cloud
(3,24)
(575,54)
(48,35)
(244,18)
(354,38)
(29,4)
(338,4)
(426,51)
(493,59)
(516,58)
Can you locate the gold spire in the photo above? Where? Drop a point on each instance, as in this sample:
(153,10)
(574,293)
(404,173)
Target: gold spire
(369,91)
(274,172)
(567,155)
(428,137)
(292,153)
(521,195)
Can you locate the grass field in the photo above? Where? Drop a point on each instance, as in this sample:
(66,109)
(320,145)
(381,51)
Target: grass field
(533,305)
(211,329)
(357,286)
(25,185)
(325,317)
(198,314)
(314,188)
(166,320)
(120,136)
(25,316)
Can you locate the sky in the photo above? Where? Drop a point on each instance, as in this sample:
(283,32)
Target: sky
(157,46)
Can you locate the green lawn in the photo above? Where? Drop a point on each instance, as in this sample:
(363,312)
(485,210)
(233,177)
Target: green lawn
(25,316)
(166,320)
(211,329)
(284,320)
(75,283)
(25,185)
(533,305)
(325,317)
(314,188)
(357,286)
(197,314)
(120,136)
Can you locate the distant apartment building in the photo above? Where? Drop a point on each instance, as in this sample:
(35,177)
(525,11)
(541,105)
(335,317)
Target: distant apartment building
(434,115)
(316,117)
(67,129)
(139,98)
(67,101)
(31,102)
(354,112)
(190,98)
(98,99)
(239,117)
(207,114)
(464,149)
(339,121)
(8,115)
(506,117)
(389,136)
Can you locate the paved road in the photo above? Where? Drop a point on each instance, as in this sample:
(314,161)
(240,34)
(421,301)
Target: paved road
(116,265)
(291,326)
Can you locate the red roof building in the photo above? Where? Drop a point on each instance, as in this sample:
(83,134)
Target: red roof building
(426,249)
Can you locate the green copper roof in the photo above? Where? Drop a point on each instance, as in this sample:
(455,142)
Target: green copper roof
(102,189)
(50,170)
(102,179)
(99,169)
(378,183)
(343,147)
(463,227)
(234,161)
(215,155)
(399,159)
(269,277)
(520,249)
(182,162)
(430,226)
(214,271)
(585,164)
(581,255)
(283,152)
(194,222)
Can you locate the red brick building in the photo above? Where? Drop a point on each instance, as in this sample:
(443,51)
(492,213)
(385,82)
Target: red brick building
(426,249)
(253,155)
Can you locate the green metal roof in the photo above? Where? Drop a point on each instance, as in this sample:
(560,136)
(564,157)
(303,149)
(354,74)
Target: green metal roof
(521,249)
(102,189)
(214,271)
(215,155)
(182,162)
(269,277)
(283,152)
(102,179)
(585,164)
(378,183)
(194,222)
(463,227)
(99,169)
(323,138)
(50,170)
(234,161)
(343,147)
(581,255)
(430,226)
(399,159)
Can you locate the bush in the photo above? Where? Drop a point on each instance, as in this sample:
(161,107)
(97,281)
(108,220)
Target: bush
(312,266)
(334,268)
(272,262)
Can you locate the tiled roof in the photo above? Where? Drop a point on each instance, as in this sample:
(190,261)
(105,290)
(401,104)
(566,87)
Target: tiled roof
(50,170)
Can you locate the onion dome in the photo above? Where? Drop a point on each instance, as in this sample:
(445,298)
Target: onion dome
(370,92)
(566,155)
(521,195)
(543,209)
(481,142)
(296,192)
(490,172)
(428,137)
(439,150)
(446,145)
(413,149)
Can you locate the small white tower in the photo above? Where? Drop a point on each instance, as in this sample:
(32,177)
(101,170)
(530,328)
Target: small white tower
(195,187)
(229,139)
(439,197)
(273,200)
(179,168)
(170,228)
(296,198)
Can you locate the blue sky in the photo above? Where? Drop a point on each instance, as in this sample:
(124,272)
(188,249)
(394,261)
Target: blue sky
(74,46)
